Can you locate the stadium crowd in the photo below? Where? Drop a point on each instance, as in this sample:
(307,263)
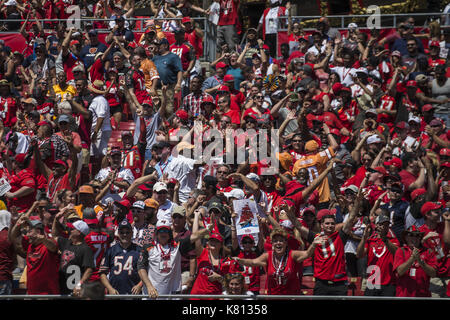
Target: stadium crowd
(91,203)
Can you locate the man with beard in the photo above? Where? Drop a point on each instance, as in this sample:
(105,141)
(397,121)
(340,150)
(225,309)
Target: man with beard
(413,174)
(76,260)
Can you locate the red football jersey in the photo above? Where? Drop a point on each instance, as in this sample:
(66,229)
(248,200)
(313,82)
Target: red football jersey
(202,285)
(98,242)
(135,79)
(329,259)
(185,52)
(8,109)
(387,103)
(379,255)
(251,274)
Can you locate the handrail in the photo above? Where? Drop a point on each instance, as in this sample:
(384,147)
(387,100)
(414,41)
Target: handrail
(233,297)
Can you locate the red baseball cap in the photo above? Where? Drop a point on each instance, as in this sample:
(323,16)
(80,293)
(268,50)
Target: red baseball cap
(216,236)
(444,152)
(221,65)
(335,132)
(427,107)
(446,164)
(337,87)
(396,162)
(124,203)
(74,42)
(417,193)
(186,20)
(411,83)
(429,206)
(223,88)
(208,99)
(324,212)
(182,114)
(381,170)
(248,236)
(228,77)
(434,44)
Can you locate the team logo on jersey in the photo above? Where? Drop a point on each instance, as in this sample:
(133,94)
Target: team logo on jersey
(93,50)
(66,257)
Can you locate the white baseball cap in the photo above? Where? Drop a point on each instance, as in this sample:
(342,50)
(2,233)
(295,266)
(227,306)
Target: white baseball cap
(11,3)
(139,204)
(373,139)
(80,225)
(163,223)
(159,186)
(414,118)
(352,25)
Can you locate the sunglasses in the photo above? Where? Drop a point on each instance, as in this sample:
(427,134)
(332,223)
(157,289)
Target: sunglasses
(247,242)
(224,172)
(259,97)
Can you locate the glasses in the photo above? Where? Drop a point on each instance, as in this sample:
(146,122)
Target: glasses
(366,159)
(411,45)
(43,83)
(247,242)
(124,232)
(259,97)
(225,121)
(296,141)
(221,101)
(162,192)
(222,172)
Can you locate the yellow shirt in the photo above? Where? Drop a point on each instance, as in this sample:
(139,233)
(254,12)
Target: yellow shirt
(61,95)
(316,164)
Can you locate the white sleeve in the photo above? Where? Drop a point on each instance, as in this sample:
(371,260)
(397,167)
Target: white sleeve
(102,108)
(261,19)
(128,176)
(102,174)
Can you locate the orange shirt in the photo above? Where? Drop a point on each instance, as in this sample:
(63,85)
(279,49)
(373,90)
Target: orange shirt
(316,164)
(150,72)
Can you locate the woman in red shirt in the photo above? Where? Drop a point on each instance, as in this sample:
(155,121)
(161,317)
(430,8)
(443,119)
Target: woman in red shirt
(212,264)
(281,264)
(414,265)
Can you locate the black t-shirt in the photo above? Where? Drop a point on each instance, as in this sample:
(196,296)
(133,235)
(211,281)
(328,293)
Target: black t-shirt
(74,261)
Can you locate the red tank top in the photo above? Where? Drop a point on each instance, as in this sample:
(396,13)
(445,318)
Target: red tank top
(283,279)
(205,268)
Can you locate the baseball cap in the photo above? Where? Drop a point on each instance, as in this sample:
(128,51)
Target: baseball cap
(430,206)
(434,44)
(162,144)
(396,53)
(160,186)
(215,205)
(89,216)
(395,161)
(287,224)
(254,177)
(30,101)
(382,219)
(235,193)
(373,139)
(74,42)
(79,225)
(221,65)
(63,118)
(228,77)
(144,187)
(252,30)
(164,41)
(124,204)
(352,25)
(421,78)
(311,146)
(248,236)
(324,212)
(124,224)
(92,32)
(352,188)
(216,236)
(182,114)
(180,210)
(139,205)
(36,224)
(417,192)
(411,83)
(444,152)
(309,209)
(414,119)
(186,20)
(163,224)
(115,151)
(223,88)
(86,189)
(126,133)
(371,110)
(207,99)
(151,203)
(397,188)
(294,97)
(179,31)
